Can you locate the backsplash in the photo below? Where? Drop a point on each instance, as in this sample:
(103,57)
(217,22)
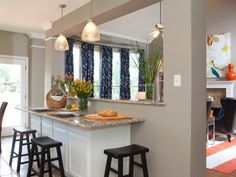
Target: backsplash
(217,94)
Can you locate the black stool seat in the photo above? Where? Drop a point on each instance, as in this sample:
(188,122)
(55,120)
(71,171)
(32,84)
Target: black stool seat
(126,151)
(45,141)
(24,130)
(46,144)
(24,140)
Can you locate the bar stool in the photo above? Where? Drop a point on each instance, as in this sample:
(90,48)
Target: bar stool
(45,143)
(127,151)
(25,134)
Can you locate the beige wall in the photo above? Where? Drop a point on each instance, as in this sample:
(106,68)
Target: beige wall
(220,19)
(175,133)
(18,44)
(13,44)
(36,73)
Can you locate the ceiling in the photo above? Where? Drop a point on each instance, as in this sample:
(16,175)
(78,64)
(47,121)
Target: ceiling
(134,26)
(34,17)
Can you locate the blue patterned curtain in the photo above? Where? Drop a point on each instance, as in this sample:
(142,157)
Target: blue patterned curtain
(87,61)
(69,68)
(124,74)
(141,82)
(106,81)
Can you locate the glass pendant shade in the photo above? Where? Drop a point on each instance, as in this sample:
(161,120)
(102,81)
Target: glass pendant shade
(90,32)
(156,33)
(61,43)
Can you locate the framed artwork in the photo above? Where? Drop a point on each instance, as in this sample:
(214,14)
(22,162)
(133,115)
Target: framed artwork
(218,55)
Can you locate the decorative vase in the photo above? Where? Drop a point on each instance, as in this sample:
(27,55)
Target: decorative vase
(149,88)
(231,74)
(83,104)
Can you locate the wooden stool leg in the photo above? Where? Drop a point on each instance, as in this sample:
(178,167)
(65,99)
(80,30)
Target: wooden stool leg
(42,163)
(131,166)
(60,161)
(12,147)
(28,144)
(108,165)
(144,164)
(31,160)
(0,141)
(19,153)
(120,167)
(49,162)
(36,152)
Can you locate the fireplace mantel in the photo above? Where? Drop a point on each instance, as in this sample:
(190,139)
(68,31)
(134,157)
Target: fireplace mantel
(228,85)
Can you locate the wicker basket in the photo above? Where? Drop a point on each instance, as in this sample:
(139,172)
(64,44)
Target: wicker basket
(55,104)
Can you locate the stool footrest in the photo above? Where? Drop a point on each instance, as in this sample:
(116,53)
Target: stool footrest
(16,155)
(138,164)
(113,170)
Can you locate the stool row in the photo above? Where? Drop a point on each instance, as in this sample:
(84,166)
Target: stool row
(46,144)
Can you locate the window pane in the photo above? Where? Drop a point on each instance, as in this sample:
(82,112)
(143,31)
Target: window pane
(116,75)
(97,63)
(134,72)
(76,61)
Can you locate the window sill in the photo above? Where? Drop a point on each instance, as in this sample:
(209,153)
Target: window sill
(151,103)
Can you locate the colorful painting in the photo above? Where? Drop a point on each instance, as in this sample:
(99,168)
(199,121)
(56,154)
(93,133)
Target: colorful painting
(218,55)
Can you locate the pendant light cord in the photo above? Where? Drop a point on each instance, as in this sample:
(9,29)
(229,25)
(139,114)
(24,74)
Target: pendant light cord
(62,6)
(91,7)
(160,12)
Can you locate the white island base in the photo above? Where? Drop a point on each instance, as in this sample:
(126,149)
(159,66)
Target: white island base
(83,148)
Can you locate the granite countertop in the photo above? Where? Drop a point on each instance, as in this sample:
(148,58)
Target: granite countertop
(80,121)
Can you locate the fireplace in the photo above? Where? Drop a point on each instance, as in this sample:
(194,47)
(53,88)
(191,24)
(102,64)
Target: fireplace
(218,89)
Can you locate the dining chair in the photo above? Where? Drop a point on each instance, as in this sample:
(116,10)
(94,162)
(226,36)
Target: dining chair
(2,111)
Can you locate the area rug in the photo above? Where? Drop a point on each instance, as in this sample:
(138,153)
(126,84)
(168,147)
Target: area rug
(221,156)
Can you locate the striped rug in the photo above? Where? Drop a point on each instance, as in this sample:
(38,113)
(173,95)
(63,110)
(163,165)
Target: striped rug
(221,156)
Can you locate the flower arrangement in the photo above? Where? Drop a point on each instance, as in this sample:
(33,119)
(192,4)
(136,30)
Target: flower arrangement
(81,88)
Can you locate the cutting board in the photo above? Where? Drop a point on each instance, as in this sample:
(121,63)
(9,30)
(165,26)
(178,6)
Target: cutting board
(97,117)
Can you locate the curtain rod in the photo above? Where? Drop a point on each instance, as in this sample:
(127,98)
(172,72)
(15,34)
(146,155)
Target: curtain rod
(118,46)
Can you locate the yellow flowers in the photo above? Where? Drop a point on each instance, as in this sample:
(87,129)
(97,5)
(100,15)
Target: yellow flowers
(81,88)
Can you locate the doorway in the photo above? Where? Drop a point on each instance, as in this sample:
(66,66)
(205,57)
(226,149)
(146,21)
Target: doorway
(14,90)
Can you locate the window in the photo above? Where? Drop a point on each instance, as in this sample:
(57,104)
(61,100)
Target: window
(77,61)
(116,75)
(97,65)
(134,73)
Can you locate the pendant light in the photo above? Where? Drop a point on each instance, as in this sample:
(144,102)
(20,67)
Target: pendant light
(158,27)
(61,43)
(90,32)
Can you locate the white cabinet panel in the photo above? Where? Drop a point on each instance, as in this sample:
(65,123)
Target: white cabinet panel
(78,154)
(46,127)
(60,134)
(36,123)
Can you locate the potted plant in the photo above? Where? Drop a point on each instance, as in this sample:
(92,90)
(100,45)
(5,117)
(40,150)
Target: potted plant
(150,65)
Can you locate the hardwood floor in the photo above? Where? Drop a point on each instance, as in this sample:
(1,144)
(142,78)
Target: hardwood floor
(6,171)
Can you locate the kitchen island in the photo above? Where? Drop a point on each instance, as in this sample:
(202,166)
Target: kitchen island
(83,140)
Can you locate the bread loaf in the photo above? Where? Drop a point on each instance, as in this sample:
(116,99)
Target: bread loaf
(107,113)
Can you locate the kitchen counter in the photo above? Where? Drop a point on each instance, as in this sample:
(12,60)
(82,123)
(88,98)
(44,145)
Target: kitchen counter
(81,121)
(83,141)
